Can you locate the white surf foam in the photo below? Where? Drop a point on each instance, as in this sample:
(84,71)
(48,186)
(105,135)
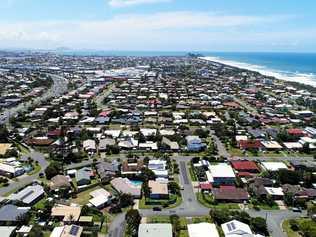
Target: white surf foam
(304,78)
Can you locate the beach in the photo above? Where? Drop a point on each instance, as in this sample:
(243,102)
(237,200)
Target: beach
(304,78)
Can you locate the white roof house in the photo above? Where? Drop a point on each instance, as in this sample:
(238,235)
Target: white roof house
(274,166)
(89,144)
(100,197)
(155,230)
(236,228)
(271,145)
(221,170)
(293,145)
(28,195)
(148,131)
(7,231)
(112,133)
(202,230)
(274,191)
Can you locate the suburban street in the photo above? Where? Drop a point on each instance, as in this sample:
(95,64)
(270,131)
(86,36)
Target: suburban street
(26,179)
(58,88)
(190,207)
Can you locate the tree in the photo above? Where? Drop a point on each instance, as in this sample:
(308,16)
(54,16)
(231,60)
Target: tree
(52,170)
(125,200)
(220,216)
(259,225)
(147,174)
(174,188)
(37,231)
(132,219)
(146,189)
(175,222)
(289,177)
(3,133)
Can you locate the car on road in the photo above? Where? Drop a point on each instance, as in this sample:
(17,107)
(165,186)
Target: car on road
(297,209)
(156,208)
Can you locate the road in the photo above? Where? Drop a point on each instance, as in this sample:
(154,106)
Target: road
(58,88)
(275,219)
(26,179)
(190,207)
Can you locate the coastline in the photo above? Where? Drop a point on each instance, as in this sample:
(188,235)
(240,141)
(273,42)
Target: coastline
(306,79)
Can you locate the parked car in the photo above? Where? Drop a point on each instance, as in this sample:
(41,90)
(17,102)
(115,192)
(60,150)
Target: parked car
(156,208)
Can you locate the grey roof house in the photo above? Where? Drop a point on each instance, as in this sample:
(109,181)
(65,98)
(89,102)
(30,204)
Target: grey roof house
(11,212)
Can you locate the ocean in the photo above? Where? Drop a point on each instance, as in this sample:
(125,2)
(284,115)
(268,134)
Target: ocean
(299,67)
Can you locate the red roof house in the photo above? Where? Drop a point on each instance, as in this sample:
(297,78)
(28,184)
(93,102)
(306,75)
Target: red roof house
(296,132)
(245,166)
(250,144)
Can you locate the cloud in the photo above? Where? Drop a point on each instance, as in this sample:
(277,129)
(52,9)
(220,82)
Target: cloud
(178,30)
(127,3)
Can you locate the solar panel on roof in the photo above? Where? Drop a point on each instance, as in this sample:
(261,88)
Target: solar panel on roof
(74,230)
(231,226)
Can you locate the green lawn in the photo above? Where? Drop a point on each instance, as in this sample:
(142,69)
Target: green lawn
(37,169)
(192,174)
(207,201)
(158,219)
(287,229)
(142,202)
(199,219)
(84,197)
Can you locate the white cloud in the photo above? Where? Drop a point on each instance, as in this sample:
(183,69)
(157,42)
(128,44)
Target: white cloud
(182,30)
(127,3)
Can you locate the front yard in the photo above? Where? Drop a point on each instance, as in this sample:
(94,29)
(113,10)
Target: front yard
(208,201)
(172,202)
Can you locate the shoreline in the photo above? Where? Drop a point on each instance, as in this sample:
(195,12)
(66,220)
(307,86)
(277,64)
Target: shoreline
(306,79)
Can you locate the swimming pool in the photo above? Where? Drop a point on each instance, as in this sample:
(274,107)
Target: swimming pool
(136,182)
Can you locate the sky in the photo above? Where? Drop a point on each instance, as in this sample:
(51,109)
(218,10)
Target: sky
(160,25)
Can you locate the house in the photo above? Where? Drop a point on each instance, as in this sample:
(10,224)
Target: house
(4,148)
(11,213)
(66,213)
(10,170)
(132,166)
(250,144)
(29,195)
(158,190)
(275,193)
(245,166)
(296,132)
(273,166)
(100,198)
(271,145)
(105,143)
(24,230)
(169,145)
(148,145)
(124,185)
(67,231)
(311,131)
(221,174)
(236,228)
(202,230)
(194,143)
(83,176)
(159,167)
(257,186)
(299,193)
(107,170)
(59,181)
(89,145)
(230,194)
(155,230)
(7,231)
